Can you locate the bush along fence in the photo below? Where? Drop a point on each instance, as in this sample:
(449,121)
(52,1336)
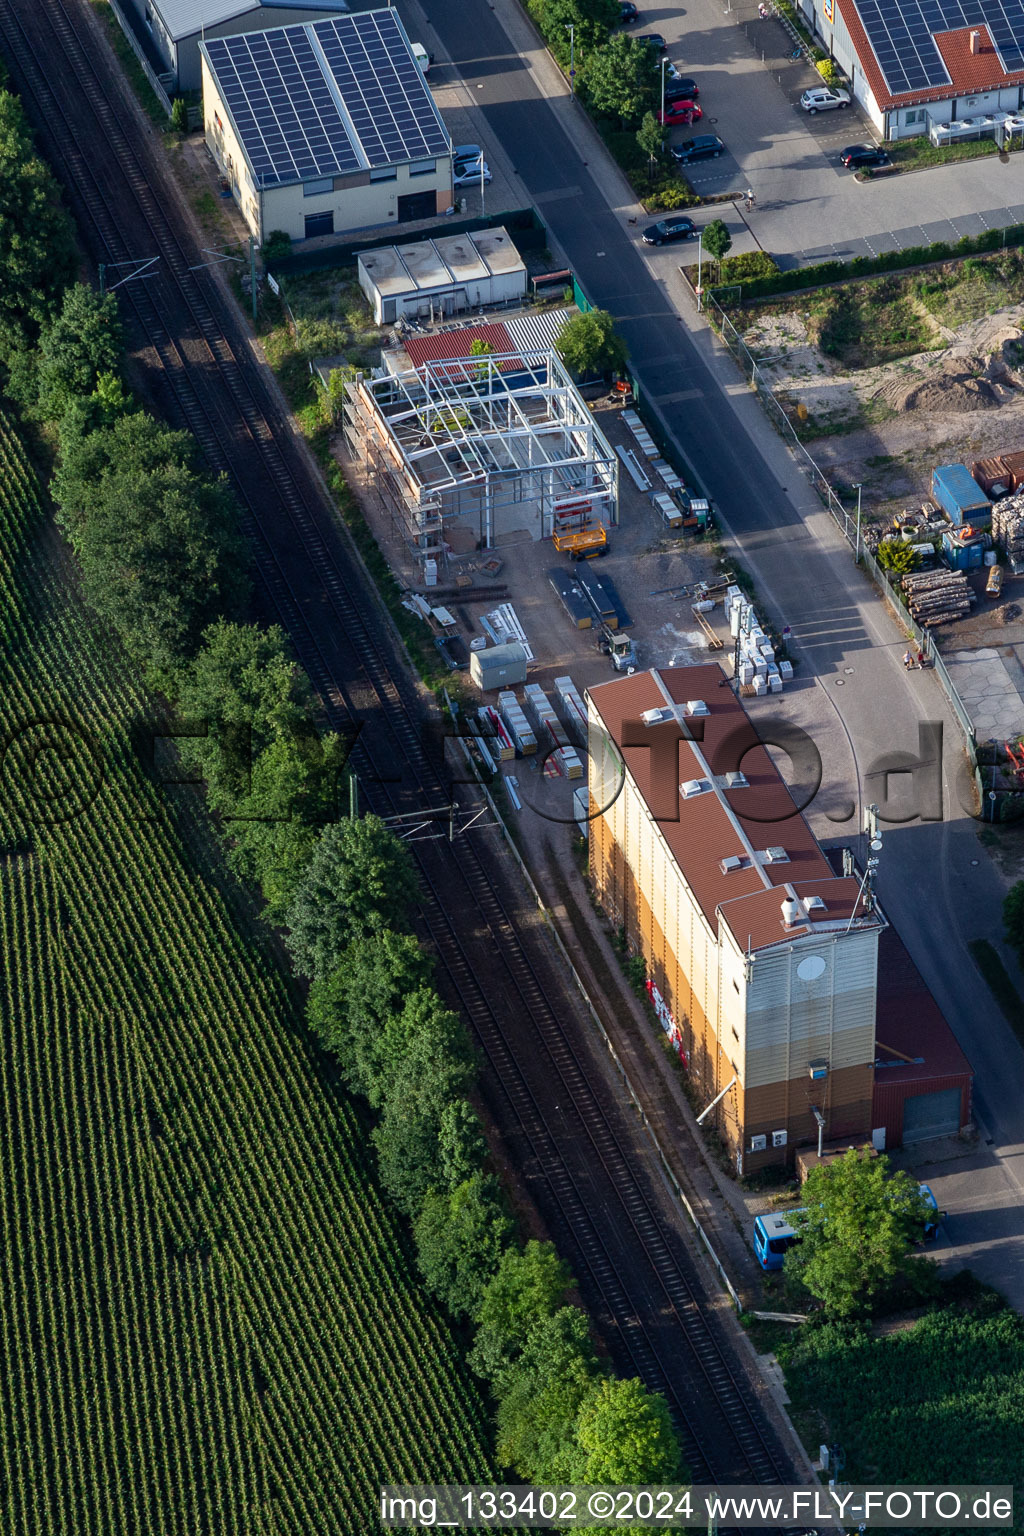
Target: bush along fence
(846,521)
(761,285)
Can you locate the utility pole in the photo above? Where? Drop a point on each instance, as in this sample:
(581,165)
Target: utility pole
(353,797)
(856,557)
(570,27)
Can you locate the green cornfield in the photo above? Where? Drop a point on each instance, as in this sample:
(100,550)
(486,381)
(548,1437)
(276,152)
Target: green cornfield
(209,1319)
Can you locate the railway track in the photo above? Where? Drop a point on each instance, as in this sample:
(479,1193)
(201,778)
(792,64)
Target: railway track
(568,1136)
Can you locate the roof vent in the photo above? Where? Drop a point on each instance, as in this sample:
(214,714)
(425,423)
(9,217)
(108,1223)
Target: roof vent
(697,707)
(815,904)
(792,912)
(730,864)
(694,787)
(736,781)
(775,855)
(654,716)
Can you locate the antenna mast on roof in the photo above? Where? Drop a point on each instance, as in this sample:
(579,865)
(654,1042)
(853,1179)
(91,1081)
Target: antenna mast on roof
(871,864)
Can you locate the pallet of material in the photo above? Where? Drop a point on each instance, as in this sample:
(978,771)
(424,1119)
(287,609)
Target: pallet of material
(938,597)
(549,725)
(516,723)
(1008,525)
(600,598)
(581,615)
(574,711)
(500,743)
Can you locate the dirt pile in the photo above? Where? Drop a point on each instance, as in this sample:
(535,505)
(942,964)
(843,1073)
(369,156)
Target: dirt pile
(956,387)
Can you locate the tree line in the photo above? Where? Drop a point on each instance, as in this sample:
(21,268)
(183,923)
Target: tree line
(162,562)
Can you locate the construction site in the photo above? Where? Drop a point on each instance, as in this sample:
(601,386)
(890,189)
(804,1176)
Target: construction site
(478,452)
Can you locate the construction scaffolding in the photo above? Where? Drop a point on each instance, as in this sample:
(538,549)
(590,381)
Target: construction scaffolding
(468,453)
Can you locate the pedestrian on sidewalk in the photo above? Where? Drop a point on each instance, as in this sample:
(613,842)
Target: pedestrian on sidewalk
(748,194)
(762,11)
(908,661)
(920,659)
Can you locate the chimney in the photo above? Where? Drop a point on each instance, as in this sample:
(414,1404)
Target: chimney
(975,42)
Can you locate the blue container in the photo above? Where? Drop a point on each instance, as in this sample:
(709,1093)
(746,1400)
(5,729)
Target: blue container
(975,555)
(959,495)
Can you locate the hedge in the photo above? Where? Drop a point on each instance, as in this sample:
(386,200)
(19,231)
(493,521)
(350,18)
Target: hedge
(826,272)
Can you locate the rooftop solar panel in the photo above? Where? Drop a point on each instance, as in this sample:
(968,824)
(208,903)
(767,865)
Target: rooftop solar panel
(326,98)
(901,34)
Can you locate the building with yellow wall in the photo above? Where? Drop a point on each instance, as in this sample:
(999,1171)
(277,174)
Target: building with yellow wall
(762,964)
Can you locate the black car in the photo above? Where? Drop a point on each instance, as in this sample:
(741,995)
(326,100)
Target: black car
(653,40)
(857,155)
(705,146)
(682,89)
(629,12)
(676,228)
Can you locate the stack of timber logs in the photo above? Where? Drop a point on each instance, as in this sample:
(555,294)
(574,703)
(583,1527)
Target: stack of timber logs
(937,597)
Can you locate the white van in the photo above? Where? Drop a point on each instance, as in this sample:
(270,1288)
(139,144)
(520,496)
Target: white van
(421,56)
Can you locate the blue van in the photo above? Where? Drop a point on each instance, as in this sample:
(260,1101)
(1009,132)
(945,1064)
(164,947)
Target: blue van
(773,1234)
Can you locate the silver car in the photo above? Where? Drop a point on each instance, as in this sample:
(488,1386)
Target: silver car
(822,98)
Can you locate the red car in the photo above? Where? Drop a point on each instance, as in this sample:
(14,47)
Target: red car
(680,112)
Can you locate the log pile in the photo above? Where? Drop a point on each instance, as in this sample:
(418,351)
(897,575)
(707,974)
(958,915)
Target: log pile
(937,597)
(1008,525)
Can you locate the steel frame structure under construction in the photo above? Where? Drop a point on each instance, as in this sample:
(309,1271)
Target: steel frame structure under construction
(500,443)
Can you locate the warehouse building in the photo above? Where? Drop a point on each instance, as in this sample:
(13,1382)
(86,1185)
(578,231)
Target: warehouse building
(762,964)
(430,279)
(327,127)
(929,66)
(176,27)
(472,452)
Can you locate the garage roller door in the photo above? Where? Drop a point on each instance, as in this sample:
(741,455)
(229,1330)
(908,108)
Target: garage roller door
(931,1114)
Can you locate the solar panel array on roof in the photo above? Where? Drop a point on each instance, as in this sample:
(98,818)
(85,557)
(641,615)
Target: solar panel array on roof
(901,33)
(327,98)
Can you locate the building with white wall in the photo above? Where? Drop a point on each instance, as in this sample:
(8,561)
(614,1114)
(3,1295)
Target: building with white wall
(761,963)
(176,27)
(327,127)
(914,62)
(435,278)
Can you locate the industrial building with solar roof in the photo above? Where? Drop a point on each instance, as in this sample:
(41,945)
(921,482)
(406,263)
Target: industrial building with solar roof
(326,127)
(950,69)
(170,30)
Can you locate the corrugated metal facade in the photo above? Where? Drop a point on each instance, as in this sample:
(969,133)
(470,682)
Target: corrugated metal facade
(890,1097)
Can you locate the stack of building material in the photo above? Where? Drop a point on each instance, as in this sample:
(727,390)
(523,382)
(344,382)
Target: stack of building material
(937,597)
(565,755)
(503,626)
(645,441)
(574,711)
(500,743)
(516,723)
(758,671)
(1008,525)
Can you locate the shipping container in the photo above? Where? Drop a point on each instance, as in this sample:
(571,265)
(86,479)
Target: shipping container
(994,476)
(959,494)
(581,615)
(501,666)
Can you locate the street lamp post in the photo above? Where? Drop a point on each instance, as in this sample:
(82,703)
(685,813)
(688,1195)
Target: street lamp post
(570,27)
(856,554)
(664,61)
(700,258)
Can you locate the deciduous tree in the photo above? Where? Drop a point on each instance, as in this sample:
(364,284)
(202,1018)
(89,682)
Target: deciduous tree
(716,239)
(529,1285)
(856,1231)
(625,1435)
(589,344)
(360,880)
(621,79)
(541,1397)
(37,252)
(460,1238)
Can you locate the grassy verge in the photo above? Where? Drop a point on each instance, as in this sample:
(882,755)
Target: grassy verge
(133,70)
(917,154)
(659,191)
(989,962)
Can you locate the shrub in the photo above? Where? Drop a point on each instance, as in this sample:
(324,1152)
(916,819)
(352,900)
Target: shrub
(277,245)
(179,115)
(748,266)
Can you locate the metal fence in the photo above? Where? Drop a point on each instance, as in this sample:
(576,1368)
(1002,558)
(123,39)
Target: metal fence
(841,516)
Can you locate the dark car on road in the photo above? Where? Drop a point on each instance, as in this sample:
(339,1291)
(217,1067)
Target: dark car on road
(677,228)
(682,88)
(858,155)
(629,12)
(653,40)
(704,146)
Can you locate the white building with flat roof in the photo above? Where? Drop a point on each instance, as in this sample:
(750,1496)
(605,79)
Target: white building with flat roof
(434,278)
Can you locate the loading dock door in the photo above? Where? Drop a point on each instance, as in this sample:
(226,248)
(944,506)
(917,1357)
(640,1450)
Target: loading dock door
(931,1114)
(417,205)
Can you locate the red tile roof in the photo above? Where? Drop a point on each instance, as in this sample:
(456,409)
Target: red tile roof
(707,828)
(970,73)
(457,344)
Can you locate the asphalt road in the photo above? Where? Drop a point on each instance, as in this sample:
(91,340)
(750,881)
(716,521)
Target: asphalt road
(937,883)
